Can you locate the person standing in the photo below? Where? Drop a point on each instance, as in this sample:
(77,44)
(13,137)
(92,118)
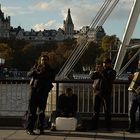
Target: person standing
(41,84)
(103,83)
(134,91)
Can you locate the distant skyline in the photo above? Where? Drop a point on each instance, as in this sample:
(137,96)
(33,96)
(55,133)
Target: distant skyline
(50,14)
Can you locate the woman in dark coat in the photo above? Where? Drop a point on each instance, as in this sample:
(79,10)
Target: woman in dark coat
(41,84)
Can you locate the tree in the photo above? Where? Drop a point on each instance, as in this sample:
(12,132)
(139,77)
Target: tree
(6,53)
(89,57)
(110,46)
(29,55)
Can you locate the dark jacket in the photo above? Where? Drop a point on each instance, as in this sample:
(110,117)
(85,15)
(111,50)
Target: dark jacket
(42,77)
(67,103)
(106,78)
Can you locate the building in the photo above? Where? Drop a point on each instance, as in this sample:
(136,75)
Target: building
(6,31)
(4,25)
(68,26)
(93,34)
(46,35)
(39,37)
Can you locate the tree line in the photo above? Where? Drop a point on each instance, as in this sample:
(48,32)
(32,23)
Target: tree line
(22,54)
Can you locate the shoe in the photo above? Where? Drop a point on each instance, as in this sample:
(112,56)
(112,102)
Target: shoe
(130,130)
(39,132)
(80,128)
(42,132)
(29,132)
(53,128)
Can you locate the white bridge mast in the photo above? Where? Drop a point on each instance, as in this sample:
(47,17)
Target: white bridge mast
(133,17)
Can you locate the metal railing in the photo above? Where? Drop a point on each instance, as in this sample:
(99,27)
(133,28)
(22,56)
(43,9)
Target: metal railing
(14,96)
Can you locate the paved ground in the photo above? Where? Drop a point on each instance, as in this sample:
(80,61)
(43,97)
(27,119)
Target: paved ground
(18,134)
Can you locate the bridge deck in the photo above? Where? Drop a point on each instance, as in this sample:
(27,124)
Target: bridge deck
(101,134)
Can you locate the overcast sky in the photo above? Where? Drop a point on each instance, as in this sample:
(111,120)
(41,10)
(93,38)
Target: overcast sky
(49,14)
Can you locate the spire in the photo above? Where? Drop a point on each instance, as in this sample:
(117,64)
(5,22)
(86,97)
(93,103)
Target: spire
(68,19)
(69,11)
(69,26)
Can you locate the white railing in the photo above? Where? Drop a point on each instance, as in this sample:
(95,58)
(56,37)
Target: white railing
(14,96)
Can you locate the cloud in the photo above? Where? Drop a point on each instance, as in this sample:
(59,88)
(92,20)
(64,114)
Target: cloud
(42,26)
(122,10)
(50,5)
(15,10)
(50,23)
(82,12)
(39,27)
(41,6)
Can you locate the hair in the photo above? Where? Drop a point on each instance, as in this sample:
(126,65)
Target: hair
(68,90)
(107,60)
(44,54)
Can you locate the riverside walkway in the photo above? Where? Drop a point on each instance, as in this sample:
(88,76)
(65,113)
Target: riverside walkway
(101,134)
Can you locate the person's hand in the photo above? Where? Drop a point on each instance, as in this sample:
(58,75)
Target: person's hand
(40,69)
(130,76)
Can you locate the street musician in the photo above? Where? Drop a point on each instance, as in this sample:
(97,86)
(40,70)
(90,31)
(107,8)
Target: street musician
(134,92)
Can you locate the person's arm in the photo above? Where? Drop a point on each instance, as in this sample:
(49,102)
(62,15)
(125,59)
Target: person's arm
(74,102)
(95,75)
(113,75)
(32,72)
(60,102)
(109,75)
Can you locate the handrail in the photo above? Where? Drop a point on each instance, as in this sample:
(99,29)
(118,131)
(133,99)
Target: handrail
(14,95)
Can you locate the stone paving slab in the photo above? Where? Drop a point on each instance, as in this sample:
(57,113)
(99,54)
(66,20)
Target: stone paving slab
(61,135)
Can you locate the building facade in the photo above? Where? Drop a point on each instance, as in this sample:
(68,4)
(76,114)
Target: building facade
(4,25)
(6,31)
(67,32)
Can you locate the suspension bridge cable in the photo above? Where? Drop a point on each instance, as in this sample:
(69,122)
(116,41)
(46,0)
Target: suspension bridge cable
(83,45)
(99,14)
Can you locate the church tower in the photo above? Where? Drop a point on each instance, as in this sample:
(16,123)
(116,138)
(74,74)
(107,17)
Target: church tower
(4,25)
(69,26)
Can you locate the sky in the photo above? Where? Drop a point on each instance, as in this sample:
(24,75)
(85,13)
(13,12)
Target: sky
(50,14)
